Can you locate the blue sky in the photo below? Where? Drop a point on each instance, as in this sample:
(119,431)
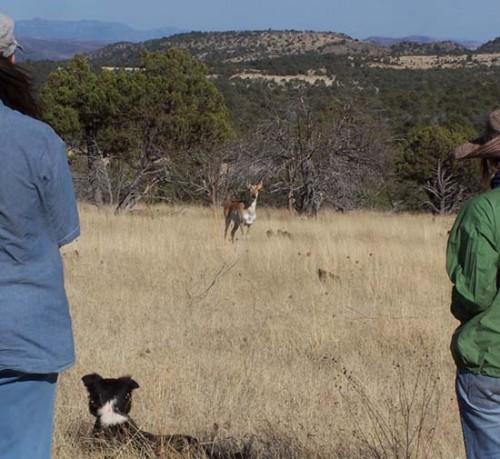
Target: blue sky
(459,19)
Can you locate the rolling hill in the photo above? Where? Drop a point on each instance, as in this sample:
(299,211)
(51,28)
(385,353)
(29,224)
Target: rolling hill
(243,46)
(244,49)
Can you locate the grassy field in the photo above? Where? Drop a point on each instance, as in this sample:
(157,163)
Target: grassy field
(311,338)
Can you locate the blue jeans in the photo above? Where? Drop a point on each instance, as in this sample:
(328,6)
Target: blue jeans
(479,403)
(26,414)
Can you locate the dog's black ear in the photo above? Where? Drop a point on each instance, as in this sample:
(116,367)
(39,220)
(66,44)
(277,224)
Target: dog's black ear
(90,379)
(131,383)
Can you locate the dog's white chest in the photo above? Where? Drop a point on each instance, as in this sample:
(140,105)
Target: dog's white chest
(108,416)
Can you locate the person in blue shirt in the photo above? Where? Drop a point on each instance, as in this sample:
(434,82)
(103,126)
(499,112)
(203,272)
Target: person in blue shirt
(38,215)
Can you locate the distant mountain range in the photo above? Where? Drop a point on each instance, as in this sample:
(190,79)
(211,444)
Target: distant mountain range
(97,31)
(58,40)
(37,49)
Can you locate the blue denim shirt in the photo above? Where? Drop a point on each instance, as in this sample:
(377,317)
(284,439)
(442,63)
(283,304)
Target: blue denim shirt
(38,214)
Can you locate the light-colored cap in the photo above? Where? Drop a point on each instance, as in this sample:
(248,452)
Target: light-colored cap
(8,42)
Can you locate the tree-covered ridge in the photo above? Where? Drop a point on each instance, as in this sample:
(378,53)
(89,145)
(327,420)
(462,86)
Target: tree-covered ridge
(131,132)
(223,49)
(243,46)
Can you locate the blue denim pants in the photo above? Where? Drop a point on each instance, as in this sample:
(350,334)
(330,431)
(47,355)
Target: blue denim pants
(479,403)
(26,414)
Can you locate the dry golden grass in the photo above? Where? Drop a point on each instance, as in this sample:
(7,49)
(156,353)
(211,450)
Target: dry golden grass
(250,340)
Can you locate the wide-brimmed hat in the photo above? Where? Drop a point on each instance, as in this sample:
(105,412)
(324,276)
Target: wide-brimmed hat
(487,146)
(8,42)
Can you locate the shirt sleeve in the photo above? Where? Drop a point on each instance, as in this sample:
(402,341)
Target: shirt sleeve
(59,197)
(472,263)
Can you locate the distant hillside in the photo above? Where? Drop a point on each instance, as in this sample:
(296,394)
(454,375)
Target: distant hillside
(243,46)
(388,42)
(35,49)
(96,31)
(433,48)
(241,51)
(492,46)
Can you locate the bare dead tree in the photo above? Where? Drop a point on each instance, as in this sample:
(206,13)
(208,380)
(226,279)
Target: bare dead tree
(142,184)
(288,144)
(93,185)
(356,163)
(213,172)
(444,190)
(338,156)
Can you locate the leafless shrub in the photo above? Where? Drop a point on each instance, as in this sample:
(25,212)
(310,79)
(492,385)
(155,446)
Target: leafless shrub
(405,426)
(315,157)
(444,190)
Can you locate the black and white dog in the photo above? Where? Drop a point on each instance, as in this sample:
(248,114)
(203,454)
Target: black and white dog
(110,401)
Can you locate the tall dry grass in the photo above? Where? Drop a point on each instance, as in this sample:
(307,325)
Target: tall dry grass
(326,339)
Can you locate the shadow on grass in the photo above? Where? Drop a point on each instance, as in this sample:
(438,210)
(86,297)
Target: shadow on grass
(266,445)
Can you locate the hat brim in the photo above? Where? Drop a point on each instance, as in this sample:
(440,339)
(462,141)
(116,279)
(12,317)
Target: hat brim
(487,150)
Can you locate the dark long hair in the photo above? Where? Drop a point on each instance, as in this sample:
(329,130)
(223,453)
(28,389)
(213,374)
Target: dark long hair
(17,90)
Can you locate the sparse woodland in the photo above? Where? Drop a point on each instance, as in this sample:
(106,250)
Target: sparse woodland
(174,128)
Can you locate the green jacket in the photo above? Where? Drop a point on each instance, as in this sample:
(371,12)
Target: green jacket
(472,263)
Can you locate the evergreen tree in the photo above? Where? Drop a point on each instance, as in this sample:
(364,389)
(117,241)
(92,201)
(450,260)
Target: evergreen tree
(136,128)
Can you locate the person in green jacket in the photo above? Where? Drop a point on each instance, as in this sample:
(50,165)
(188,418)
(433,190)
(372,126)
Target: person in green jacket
(472,264)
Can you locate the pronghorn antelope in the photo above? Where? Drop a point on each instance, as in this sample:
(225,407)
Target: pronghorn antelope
(242,213)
